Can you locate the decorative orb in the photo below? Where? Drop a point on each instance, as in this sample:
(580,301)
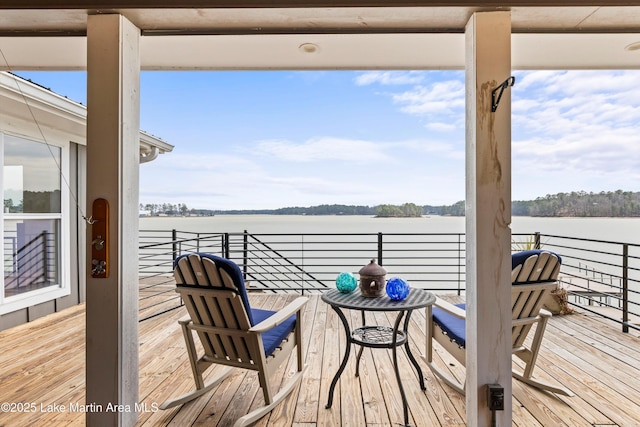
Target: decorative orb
(346,282)
(397,288)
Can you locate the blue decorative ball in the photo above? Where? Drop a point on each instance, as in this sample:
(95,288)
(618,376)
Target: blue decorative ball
(397,288)
(346,282)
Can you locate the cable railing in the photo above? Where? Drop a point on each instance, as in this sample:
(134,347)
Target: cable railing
(308,262)
(599,276)
(29,265)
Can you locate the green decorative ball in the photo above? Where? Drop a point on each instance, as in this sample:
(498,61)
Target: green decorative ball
(346,282)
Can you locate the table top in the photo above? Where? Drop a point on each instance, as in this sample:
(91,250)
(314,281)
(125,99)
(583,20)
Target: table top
(418,298)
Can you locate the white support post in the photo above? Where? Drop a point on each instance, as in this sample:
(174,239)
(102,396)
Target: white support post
(488,215)
(113,122)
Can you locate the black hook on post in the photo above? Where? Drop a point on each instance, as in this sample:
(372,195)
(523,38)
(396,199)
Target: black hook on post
(495,100)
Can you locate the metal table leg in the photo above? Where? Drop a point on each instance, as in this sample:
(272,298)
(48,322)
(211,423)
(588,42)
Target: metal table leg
(378,336)
(413,360)
(345,358)
(394,350)
(361,349)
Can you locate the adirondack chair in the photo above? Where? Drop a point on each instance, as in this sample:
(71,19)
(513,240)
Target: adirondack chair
(533,276)
(231,332)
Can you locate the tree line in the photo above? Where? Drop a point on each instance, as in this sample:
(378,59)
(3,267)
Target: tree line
(168,209)
(604,204)
(575,204)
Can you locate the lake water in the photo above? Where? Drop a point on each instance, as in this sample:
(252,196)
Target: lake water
(626,230)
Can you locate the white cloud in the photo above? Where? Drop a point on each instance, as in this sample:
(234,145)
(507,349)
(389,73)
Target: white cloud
(441,149)
(199,172)
(582,123)
(441,127)
(578,128)
(325,148)
(322,170)
(389,78)
(440,98)
(572,130)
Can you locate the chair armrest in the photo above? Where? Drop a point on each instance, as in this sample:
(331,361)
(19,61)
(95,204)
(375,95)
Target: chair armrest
(185,320)
(545,313)
(281,315)
(450,308)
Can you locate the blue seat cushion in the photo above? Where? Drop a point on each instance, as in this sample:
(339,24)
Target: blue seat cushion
(520,257)
(452,325)
(272,338)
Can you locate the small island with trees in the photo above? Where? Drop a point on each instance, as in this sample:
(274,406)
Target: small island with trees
(408,210)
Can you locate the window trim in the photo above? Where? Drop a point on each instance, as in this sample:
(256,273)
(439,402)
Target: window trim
(49,293)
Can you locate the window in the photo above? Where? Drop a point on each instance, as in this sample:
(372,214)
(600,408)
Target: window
(33,221)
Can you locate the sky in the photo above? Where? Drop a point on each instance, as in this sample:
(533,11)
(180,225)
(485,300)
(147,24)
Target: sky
(272,139)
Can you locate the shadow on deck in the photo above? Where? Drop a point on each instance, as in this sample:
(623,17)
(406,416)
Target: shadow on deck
(42,365)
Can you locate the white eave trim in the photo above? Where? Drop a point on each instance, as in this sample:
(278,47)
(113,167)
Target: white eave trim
(39,98)
(43,102)
(151,147)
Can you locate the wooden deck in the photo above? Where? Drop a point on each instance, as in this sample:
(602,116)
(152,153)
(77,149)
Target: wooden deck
(42,365)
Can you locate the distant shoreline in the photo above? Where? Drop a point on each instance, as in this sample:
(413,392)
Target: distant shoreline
(606,229)
(235,213)
(580,204)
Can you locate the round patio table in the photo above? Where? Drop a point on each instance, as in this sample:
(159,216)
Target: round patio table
(375,336)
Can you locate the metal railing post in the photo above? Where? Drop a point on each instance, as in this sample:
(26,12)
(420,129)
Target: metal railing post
(245,253)
(174,243)
(45,255)
(460,266)
(380,248)
(625,287)
(536,240)
(302,261)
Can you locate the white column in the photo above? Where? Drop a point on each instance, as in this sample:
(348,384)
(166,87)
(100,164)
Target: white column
(488,215)
(113,126)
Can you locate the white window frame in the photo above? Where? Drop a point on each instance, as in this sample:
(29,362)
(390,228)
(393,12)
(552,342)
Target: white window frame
(49,293)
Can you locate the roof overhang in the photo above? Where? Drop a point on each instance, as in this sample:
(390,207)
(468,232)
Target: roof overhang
(427,51)
(25,101)
(261,34)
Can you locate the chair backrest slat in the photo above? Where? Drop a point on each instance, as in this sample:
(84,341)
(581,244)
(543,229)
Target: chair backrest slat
(532,279)
(527,269)
(528,305)
(212,298)
(183,272)
(201,276)
(221,311)
(212,343)
(534,266)
(538,267)
(551,271)
(224,312)
(515,272)
(213,273)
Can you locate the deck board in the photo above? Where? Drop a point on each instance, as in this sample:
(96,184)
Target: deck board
(42,362)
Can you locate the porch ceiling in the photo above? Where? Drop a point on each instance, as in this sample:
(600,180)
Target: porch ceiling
(348,34)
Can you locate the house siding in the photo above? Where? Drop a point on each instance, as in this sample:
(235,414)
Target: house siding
(76,235)
(60,119)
